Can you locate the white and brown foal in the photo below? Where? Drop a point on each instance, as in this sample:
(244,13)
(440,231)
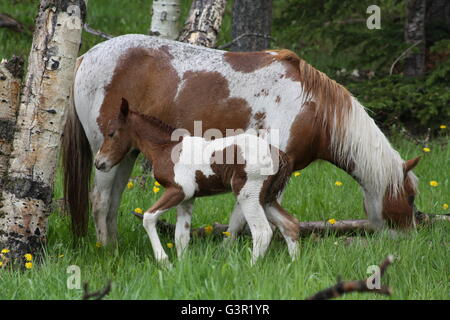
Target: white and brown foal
(246,164)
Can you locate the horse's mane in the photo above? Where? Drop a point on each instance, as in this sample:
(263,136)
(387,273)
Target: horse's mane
(355,138)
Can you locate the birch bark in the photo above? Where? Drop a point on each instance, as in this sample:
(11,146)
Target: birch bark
(27,187)
(165,16)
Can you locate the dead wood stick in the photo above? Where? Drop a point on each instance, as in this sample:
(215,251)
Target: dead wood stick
(97,295)
(343,287)
(95,32)
(6,21)
(340,227)
(229,44)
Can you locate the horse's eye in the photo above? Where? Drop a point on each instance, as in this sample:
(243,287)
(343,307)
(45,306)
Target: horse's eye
(411,200)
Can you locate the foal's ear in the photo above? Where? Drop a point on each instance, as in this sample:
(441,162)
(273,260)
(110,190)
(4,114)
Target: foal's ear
(410,164)
(124,108)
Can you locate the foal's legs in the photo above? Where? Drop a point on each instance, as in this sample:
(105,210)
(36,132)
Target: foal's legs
(183,226)
(236,224)
(171,198)
(287,224)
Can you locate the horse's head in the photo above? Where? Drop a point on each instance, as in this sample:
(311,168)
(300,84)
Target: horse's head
(117,143)
(400,210)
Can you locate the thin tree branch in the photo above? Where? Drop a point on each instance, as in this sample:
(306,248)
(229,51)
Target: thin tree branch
(402,55)
(229,44)
(344,287)
(99,33)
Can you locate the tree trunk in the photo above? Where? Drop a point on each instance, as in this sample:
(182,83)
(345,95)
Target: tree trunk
(437,25)
(203,24)
(165,15)
(10,77)
(251,17)
(415,33)
(27,188)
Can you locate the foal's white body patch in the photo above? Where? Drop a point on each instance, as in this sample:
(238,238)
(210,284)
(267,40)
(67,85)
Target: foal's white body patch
(196,154)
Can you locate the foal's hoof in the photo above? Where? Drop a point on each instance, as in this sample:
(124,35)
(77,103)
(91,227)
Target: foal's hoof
(165,263)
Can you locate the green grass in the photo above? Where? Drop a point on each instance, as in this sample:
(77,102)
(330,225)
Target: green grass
(210,271)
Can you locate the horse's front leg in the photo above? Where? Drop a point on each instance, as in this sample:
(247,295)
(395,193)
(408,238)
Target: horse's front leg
(171,198)
(183,226)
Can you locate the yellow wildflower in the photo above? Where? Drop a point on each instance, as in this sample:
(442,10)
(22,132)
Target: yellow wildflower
(226,233)
(1,264)
(426,149)
(28,257)
(130,185)
(60,256)
(338,183)
(5,251)
(442,126)
(29,265)
(138,210)
(445,206)
(157,183)
(208,229)
(332,221)
(434,183)
(98,244)
(170,245)
(297,173)
(156,189)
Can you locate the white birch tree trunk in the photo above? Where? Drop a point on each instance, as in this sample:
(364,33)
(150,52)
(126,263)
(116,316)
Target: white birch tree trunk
(27,189)
(165,16)
(10,77)
(204,21)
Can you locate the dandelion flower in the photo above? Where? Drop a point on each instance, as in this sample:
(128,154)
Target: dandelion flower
(138,210)
(29,265)
(130,185)
(98,244)
(434,183)
(170,245)
(157,184)
(226,233)
(5,251)
(445,206)
(208,229)
(338,184)
(60,256)
(426,149)
(28,257)
(156,189)
(297,173)
(332,221)
(442,126)
(1,264)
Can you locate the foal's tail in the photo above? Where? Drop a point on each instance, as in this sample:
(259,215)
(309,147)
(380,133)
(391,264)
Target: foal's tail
(77,163)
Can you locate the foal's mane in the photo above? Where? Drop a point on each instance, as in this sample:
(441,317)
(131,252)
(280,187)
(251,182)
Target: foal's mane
(156,122)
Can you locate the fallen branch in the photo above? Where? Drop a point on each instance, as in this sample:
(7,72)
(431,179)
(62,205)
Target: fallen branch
(344,287)
(95,32)
(229,44)
(6,21)
(97,295)
(339,228)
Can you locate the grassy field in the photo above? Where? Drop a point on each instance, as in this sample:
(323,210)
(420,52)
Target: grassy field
(210,271)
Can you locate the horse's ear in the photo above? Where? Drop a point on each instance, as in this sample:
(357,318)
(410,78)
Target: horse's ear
(410,164)
(124,108)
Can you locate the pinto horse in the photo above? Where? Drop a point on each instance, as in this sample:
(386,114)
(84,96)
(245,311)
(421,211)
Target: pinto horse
(246,164)
(316,118)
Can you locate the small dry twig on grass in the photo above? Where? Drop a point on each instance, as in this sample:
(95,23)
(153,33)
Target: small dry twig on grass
(96,295)
(6,21)
(95,32)
(343,287)
(229,44)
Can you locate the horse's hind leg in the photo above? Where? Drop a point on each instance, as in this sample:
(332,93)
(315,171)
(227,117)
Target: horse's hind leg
(183,226)
(287,224)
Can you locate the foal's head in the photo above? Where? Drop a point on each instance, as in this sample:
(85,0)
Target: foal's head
(118,141)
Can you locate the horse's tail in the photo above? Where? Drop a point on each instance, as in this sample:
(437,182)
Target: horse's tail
(77,163)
